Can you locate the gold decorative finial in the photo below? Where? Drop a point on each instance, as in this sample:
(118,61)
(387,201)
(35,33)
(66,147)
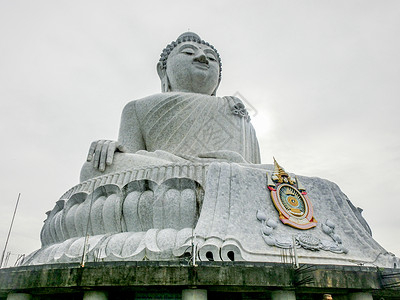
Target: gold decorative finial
(280,175)
(279,170)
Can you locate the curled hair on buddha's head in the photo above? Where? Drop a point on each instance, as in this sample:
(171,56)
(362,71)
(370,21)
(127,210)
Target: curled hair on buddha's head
(187,37)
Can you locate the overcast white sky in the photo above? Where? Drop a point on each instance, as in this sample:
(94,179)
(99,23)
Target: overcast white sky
(323,75)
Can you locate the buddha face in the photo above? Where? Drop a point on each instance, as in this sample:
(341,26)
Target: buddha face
(193,68)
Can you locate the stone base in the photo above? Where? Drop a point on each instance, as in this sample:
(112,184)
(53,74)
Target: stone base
(223,211)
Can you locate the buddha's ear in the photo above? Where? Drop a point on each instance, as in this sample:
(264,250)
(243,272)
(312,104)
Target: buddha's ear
(160,70)
(163,77)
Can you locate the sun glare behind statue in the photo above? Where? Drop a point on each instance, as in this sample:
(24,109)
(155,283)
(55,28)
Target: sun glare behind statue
(262,123)
(260,119)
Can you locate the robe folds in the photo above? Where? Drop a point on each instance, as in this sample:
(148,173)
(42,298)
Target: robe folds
(171,128)
(189,125)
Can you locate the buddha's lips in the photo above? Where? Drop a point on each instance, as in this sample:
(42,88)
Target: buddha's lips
(201,65)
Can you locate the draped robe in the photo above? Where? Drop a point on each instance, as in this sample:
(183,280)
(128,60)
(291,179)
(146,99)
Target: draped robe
(188,125)
(180,127)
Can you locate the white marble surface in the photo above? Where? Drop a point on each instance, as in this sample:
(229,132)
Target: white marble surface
(226,227)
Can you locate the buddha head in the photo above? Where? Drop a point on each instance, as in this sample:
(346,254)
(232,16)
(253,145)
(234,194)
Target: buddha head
(189,65)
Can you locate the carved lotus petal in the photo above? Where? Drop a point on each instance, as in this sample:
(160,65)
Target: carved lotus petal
(330,224)
(267,230)
(337,238)
(326,229)
(261,216)
(270,241)
(272,223)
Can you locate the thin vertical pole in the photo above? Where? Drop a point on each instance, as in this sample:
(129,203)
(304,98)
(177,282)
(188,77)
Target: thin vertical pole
(194,250)
(87,232)
(296,259)
(9,231)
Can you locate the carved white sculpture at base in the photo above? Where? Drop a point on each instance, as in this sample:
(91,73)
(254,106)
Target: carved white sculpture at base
(155,213)
(185,175)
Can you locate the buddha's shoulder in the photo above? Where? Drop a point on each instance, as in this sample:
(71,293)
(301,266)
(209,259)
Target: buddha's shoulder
(149,99)
(153,100)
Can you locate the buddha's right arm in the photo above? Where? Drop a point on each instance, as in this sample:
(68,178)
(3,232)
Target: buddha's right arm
(130,133)
(130,140)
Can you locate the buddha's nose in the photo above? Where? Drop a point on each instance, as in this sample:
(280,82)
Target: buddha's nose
(201,57)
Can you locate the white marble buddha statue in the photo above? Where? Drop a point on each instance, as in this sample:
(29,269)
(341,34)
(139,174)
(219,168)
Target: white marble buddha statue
(186,171)
(186,122)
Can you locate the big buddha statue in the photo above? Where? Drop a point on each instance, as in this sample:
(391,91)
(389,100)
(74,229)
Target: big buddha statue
(186,122)
(184,178)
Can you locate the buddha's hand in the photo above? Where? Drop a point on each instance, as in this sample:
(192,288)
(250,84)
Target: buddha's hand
(101,153)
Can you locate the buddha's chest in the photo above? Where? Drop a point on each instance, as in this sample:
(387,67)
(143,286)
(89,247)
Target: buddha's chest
(195,125)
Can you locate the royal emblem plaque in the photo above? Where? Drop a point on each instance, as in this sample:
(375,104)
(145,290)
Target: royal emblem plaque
(290,199)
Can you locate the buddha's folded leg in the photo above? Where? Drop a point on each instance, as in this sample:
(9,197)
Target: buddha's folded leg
(125,161)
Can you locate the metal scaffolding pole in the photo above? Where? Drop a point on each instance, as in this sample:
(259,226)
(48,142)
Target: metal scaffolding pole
(9,231)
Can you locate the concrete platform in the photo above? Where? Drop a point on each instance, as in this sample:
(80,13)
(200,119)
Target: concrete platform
(238,280)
